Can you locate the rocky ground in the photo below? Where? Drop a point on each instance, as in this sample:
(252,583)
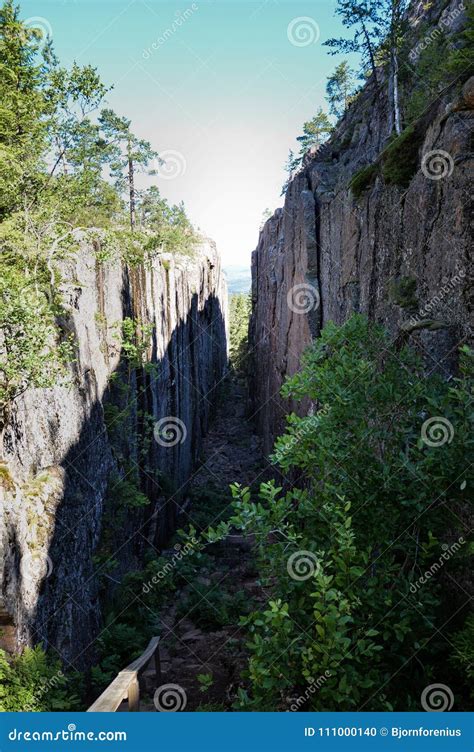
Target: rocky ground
(201,636)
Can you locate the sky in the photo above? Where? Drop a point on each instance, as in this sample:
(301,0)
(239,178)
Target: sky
(220,88)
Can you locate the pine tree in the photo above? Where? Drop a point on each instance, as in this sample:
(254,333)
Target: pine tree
(340,89)
(291,165)
(378,27)
(314,131)
(74,95)
(129,154)
(361,17)
(391,25)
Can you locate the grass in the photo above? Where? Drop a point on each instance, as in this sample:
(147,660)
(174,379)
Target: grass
(401,158)
(363,179)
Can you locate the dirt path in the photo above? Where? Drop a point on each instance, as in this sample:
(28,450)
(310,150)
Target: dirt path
(200,630)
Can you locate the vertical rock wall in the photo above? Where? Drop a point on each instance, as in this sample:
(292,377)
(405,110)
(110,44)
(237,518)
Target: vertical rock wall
(327,253)
(70,450)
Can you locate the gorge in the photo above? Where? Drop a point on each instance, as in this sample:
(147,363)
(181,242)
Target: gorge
(164,481)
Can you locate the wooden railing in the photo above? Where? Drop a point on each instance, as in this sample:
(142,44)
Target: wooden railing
(126,685)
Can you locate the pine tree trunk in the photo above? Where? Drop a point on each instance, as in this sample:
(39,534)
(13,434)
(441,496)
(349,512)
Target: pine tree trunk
(390,115)
(396,101)
(371,53)
(131,187)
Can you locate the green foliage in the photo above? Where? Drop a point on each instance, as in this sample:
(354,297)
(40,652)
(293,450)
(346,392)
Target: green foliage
(340,89)
(34,682)
(368,521)
(132,621)
(442,60)
(403,293)
(363,179)
(33,352)
(209,504)
(239,314)
(168,228)
(292,163)
(128,154)
(360,17)
(135,340)
(315,131)
(463,655)
(53,155)
(119,644)
(205,681)
(125,495)
(210,607)
(401,158)
(211,707)
(24,110)
(431,76)
(460,60)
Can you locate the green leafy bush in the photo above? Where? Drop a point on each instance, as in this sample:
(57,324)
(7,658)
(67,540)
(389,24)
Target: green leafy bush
(210,607)
(348,625)
(34,353)
(33,681)
(463,656)
(125,494)
(209,504)
(119,644)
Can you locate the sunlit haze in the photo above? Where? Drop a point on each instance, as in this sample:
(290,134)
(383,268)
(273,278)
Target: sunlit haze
(218,87)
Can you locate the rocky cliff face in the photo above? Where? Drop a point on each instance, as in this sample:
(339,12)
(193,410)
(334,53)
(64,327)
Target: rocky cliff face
(80,458)
(397,253)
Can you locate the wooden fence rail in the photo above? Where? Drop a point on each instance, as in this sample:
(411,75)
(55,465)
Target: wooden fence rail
(126,685)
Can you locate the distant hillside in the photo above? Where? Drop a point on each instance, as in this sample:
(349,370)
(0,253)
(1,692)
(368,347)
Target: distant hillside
(238,278)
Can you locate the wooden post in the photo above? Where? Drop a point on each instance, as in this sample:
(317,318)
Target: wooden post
(157,667)
(126,685)
(134,695)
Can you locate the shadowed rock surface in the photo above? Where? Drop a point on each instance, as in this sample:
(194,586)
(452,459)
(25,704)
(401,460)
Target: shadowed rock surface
(70,448)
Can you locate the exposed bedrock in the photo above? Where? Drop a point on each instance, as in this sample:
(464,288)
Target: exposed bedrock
(328,253)
(70,451)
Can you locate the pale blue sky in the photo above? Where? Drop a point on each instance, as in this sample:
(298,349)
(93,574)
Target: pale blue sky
(224,92)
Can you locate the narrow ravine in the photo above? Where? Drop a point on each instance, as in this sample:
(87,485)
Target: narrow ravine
(203,648)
